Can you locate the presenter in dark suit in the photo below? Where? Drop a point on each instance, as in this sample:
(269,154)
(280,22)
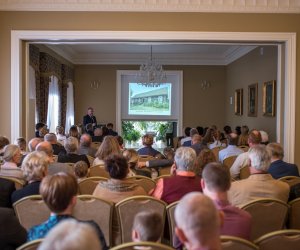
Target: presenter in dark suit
(89,118)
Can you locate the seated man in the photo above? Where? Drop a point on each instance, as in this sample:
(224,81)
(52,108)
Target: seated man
(188,142)
(215,183)
(198,222)
(59,193)
(148,149)
(231,149)
(183,180)
(147,226)
(259,184)
(278,167)
(85,146)
(57,147)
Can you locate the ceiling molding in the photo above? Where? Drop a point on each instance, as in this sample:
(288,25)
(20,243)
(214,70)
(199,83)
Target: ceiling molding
(221,6)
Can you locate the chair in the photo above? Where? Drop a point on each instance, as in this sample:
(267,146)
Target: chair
(291,180)
(98,170)
(145,182)
(164,171)
(236,243)
(294,214)
(18,183)
(229,161)
(128,208)
(31,245)
(144,158)
(31,211)
(96,145)
(70,164)
(162,176)
(279,240)
(216,152)
(268,215)
(89,207)
(142,245)
(91,159)
(244,172)
(171,219)
(88,185)
(244,148)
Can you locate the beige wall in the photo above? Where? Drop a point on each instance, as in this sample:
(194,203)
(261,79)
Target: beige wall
(136,21)
(252,68)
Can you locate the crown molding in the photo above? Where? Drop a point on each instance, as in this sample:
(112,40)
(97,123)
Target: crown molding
(221,6)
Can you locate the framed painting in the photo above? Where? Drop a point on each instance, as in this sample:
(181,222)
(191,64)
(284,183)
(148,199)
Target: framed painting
(269,98)
(238,102)
(252,99)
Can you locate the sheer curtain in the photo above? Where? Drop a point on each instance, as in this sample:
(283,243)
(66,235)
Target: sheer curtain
(32,90)
(70,107)
(53,104)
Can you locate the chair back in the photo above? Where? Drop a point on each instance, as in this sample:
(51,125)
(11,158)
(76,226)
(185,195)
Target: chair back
(18,183)
(89,207)
(98,170)
(164,171)
(31,211)
(91,159)
(229,161)
(171,220)
(96,144)
(244,148)
(31,245)
(128,208)
(279,240)
(236,243)
(144,158)
(268,215)
(146,183)
(216,152)
(162,176)
(88,185)
(244,172)
(142,245)
(291,180)
(294,215)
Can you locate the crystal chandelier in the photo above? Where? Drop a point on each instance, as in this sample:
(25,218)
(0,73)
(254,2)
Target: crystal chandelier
(151,74)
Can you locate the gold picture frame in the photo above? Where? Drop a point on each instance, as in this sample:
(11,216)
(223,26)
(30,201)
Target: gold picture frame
(238,102)
(252,99)
(269,98)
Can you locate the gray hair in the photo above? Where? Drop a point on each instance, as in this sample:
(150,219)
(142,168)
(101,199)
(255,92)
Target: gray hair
(50,137)
(260,158)
(35,166)
(71,144)
(33,143)
(10,151)
(185,158)
(193,131)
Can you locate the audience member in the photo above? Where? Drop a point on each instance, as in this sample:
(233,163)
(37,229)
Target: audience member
(259,184)
(188,142)
(43,131)
(21,143)
(97,135)
(215,183)
(35,167)
(217,141)
(7,187)
(111,131)
(89,129)
(227,130)
(81,170)
(71,234)
(198,222)
(38,128)
(120,142)
(206,156)
(117,187)
(200,130)
(264,137)
(33,143)
(57,147)
(108,147)
(186,135)
(3,142)
(238,130)
(243,138)
(60,134)
(73,132)
(89,118)
(197,144)
(59,193)
(278,167)
(132,158)
(242,160)
(231,149)
(147,226)
(12,234)
(182,181)
(148,149)
(71,146)
(85,146)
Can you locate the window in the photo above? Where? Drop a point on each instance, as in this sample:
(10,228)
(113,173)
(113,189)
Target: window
(53,104)
(70,107)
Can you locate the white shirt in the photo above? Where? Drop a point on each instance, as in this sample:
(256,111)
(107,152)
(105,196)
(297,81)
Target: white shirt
(241,161)
(183,140)
(216,144)
(230,150)
(97,161)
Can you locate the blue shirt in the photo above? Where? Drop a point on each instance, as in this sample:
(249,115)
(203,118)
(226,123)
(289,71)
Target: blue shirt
(148,151)
(280,169)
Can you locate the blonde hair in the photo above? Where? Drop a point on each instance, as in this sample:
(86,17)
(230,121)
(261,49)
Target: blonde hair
(81,169)
(108,147)
(10,151)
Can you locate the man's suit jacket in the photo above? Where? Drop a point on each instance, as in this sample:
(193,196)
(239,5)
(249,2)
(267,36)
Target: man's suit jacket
(7,187)
(89,119)
(73,158)
(280,169)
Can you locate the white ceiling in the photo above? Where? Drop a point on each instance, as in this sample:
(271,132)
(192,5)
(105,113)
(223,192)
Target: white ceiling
(136,53)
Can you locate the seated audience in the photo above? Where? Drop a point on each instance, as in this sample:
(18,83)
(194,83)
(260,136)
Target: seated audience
(21,143)
(97,135)
(117,187)
(215,183)
(108,147)
(60,135)
(231,149)
(71,146)
(111,131)
(73,132)
(278,167)
(197,143)
(71,234)
(7,187)
(35,167)
(259,184)
(59,193)
(85,146)
(264,137)
(217,141)
(12,157)
(12,234)
(243,138)
(206,156)
(38,127)
(57,147)
(188,141)
(238,130)
(33,143)
(43,131)
(186,135)
(182,181)
(198,222)
(3,142)
(81,170)
(242,160)
(147,226)
(89,129)
(148,149)
(227,130)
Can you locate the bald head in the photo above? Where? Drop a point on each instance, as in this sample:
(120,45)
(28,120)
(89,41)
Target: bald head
(33,143)
(51,137)
(45,147)
(86,140)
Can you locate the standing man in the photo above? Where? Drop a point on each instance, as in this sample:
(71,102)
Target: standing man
(89,118)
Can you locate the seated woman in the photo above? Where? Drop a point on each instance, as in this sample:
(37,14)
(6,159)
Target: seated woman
(108,147)
(206,156)
(73,131)
(117,188)
(147,149)
(35,168)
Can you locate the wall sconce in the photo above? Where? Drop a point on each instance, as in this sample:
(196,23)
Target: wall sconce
(205,84)
(95,84)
